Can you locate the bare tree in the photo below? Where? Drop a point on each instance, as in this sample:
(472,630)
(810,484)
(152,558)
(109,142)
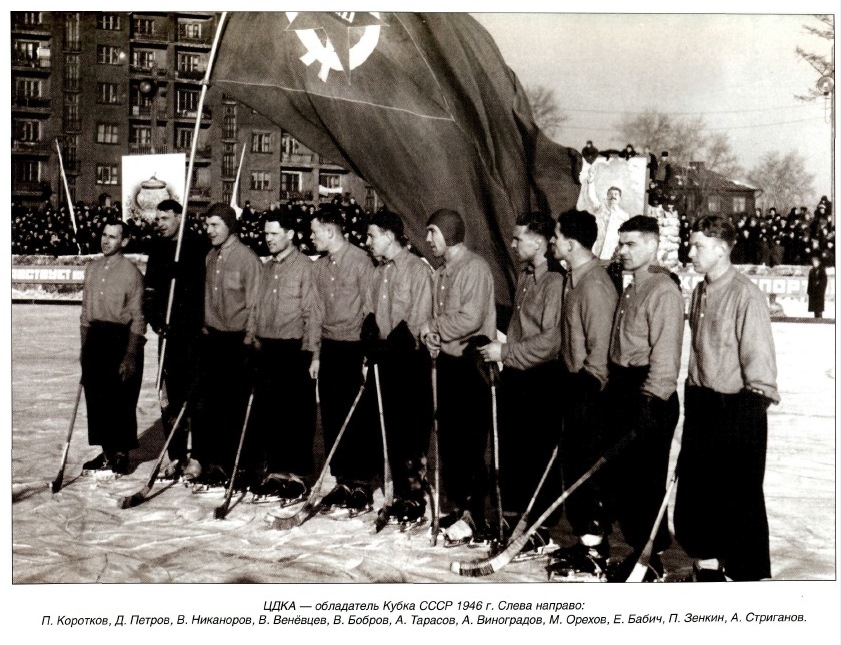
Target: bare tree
(783,179)
(823,63)
(685,139)
(547,113)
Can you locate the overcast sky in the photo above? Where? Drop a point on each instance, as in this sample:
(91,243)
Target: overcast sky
(739,71)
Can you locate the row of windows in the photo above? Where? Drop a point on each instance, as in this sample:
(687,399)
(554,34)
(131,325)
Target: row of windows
(146,26)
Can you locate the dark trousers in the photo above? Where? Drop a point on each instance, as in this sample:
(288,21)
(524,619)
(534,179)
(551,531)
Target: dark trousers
(181,380)
(529,431)
(359,456)
(464,422)
(720,504)
(407,410)
(282,426)
(111,401)
(638,474)
(583,441)
(225,387)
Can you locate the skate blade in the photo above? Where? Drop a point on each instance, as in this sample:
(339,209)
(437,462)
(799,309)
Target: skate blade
(101,475)
(576,576)
(407,527)
(353,513)
(281,502)
(203,489)
(536,554)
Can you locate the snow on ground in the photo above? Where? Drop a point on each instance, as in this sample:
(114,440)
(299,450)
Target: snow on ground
(80,535)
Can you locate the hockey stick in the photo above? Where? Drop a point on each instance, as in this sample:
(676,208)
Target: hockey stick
(221,511)
(388,482)
(56,484)
(311,506)
(436,474)
(140,496)
(494,564)
(640,568)
(494,375)
(522,524)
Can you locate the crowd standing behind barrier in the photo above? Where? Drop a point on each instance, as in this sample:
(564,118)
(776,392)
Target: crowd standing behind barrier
(771,238)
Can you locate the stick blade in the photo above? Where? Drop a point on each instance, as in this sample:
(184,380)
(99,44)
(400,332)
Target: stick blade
(638,573)
(56,485)
(294,521)
(220,512)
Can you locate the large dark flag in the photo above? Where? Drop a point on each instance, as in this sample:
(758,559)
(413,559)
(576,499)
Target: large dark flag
(421,106)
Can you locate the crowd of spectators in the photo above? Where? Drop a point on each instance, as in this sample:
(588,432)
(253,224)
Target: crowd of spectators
(770,238)
(46,231)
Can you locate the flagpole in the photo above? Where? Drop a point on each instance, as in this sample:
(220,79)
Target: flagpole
(235,191)
(69,198)
(184,213)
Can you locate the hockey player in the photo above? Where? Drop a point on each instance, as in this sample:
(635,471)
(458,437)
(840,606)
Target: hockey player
(641,395)
(528,433)
(463,307)
(400,301)
(720,517)
(183,333)
(231,286)
(589,303)
(285,324)
(342,277)
(112,333)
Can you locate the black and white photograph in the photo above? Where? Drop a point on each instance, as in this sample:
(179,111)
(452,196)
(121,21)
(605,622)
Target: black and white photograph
(403,318)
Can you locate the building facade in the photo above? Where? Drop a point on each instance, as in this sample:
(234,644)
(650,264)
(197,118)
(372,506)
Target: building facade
(103,85)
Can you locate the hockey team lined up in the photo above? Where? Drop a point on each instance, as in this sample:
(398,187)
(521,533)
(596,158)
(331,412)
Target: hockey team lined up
(395,351)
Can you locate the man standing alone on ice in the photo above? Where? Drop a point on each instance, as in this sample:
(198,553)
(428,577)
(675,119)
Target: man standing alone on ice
(112,330)
(720,517)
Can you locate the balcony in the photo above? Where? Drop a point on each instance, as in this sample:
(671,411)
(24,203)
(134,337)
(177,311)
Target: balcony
(189,74)
(200,193)
(187,38)
(305,195)
(26,187)
(22,26)
(146,111)
(151,37)
(206,114)
(298,158)
(147,149)
(204,150)
(38,148)
(32,102)
(38,63)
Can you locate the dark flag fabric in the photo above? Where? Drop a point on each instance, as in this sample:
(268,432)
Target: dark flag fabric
(421,106)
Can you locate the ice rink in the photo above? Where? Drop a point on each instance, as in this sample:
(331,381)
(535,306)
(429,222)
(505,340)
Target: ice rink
(79,535)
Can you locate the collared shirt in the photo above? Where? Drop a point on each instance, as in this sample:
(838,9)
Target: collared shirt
(463,301)
(341,281)
(587,319)
(286,306)
(113,292)
(732,345)
(534,334)
(648,330)
(401,289)
(231,285)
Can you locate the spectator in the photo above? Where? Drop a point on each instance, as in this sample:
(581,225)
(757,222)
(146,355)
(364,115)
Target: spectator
(816,288)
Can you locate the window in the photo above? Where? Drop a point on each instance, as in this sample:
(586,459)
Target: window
(27,171)
(108,93)
(227,191)
(107,133)
(109,21)
(31,18)
(289,144)
(26,51)
(740,204)
(71,146)
(188,62)
(261,180)
(27,88)
(141,135)
(190,30)
(714,203)
(143,58)
(187,101)
(183,138)
(144,26)
(330,181)
(72,35)
(107,55)
(107,174)
(28,130)
(261,142)
(71,112)
(229,127)
(71,72)
(290,182)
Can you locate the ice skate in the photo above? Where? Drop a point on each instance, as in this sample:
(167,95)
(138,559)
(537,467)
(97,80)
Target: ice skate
(97,465)
(540,544)
(211,480)
(414,515)
(579,563)
(620,571)
(280,488)
(335,502)
(361,501)
(172,472)
(191,471)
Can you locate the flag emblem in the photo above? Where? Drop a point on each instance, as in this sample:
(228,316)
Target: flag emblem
(337,52)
